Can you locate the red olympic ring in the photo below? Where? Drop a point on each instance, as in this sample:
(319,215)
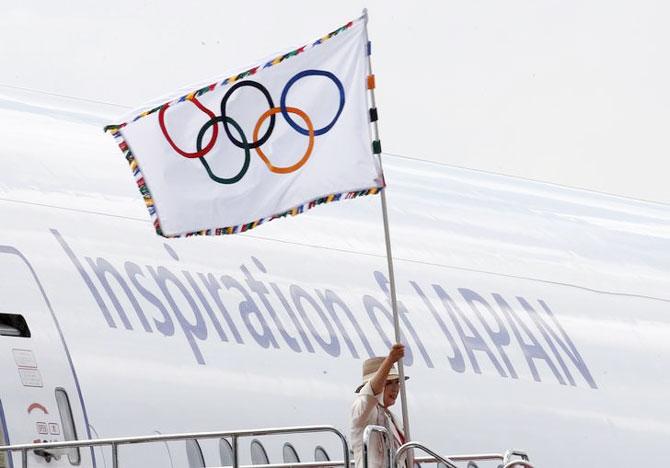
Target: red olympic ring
(196,154)
(310,145)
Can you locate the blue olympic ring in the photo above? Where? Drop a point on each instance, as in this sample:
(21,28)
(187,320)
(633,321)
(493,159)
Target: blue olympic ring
(291,82)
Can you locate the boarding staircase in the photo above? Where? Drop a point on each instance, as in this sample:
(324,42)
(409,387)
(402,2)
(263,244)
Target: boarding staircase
(30,455)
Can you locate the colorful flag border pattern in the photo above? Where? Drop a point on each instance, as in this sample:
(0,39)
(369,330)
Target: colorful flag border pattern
(115,131)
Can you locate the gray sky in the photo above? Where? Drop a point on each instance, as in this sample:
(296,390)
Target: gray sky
(570,92)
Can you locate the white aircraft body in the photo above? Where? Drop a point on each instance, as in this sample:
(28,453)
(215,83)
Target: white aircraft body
(536,317)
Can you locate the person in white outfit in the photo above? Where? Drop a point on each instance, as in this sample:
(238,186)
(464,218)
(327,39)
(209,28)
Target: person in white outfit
(378,392)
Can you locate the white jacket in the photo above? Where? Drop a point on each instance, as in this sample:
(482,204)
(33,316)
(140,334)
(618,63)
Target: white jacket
(367,410)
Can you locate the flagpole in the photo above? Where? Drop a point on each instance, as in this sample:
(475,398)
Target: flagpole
(389,256)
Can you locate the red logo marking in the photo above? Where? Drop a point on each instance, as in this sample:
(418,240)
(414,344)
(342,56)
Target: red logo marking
(37,406)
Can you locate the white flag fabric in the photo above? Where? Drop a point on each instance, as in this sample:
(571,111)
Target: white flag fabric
(276,139)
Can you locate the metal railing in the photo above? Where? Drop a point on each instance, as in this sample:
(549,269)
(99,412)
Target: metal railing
(518,463)
(514,453)
(413,444)
(54,448)
(464,457)
(234,436)
(450,461)
(367,433)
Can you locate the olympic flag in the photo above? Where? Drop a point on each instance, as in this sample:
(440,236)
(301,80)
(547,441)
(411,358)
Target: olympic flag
(280,137)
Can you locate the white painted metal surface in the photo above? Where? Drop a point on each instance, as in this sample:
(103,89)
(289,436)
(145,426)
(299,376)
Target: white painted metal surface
(236,331)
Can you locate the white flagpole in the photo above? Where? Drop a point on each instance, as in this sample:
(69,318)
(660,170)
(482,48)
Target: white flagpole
(389,257)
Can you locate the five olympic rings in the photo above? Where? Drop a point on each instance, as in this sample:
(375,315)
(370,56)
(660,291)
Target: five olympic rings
(256,143)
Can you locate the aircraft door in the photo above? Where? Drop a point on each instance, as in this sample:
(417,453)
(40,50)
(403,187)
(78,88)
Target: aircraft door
(4,457)
(39,392)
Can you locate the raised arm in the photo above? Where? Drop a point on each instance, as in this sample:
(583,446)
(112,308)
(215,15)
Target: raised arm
(378,381)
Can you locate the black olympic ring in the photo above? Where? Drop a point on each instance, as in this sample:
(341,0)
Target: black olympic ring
(255,144)
(271,126)
(247,154)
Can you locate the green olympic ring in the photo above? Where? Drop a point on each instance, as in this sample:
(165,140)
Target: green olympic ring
(247,154)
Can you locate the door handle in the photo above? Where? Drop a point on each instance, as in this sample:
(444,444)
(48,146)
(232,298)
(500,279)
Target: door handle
(47,454)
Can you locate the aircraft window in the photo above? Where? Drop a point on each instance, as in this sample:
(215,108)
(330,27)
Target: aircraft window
(290,454)
(320,454)
(226,452)
(472,464)
(194,454)
(67,422)
(14,325)
(258,454)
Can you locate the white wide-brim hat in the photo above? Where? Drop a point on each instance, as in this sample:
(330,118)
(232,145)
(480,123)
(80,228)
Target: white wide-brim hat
(370,367)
